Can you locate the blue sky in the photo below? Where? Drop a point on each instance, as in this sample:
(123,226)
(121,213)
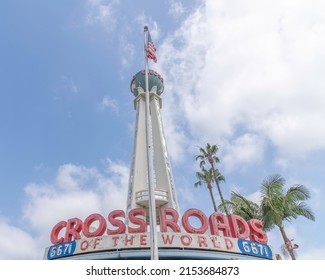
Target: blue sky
(248,76)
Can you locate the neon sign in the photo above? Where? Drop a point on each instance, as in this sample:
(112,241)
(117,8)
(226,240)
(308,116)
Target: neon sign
(232,226)
(217,232)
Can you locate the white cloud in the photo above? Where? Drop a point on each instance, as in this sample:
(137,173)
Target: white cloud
(175,138)
(15,243)
(243,151)
(255,197)
(101,12)
(252,68)
(109,103)
(127,52)
(176,8)
(77,191)
(144,20)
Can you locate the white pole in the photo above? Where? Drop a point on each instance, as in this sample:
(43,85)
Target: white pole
(151,182)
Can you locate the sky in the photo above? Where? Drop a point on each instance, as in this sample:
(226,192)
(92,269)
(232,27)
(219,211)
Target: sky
(247,76)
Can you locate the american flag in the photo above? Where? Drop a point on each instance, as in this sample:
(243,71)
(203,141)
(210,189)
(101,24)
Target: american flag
(151,50)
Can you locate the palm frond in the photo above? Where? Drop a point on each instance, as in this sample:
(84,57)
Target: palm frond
(302,209)
(297,193)
(228,204)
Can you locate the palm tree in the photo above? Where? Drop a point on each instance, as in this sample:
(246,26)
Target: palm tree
(243,207)
(279,205)
(206,177)
(209,155)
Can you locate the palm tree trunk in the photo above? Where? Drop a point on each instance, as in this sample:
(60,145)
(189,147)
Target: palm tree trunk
(287,243)
(219,190)
(212,198)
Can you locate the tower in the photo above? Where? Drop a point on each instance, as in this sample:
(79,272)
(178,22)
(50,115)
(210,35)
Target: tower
(151,188)
(164,193)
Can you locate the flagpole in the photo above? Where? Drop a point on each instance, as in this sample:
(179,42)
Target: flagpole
(151,182)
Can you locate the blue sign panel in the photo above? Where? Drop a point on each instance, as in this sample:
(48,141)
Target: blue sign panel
(61,250)
(255,249)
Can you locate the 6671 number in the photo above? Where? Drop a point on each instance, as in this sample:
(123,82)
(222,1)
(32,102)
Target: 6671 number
(61,250)
(255,249)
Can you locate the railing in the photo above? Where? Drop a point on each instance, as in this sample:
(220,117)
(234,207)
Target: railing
(142,198)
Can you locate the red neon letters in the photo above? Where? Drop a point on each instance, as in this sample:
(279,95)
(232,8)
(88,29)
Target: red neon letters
(231,226)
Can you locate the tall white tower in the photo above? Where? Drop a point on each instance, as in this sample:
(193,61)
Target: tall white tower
(164,188)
